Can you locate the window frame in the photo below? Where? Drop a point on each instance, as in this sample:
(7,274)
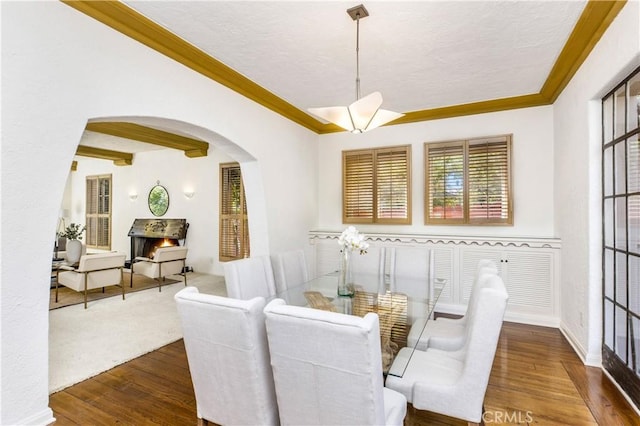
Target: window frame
(374,185)
(89,214)
(244,242)
(464,145)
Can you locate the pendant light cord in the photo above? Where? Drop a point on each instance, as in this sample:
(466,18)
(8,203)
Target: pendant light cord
(358,56)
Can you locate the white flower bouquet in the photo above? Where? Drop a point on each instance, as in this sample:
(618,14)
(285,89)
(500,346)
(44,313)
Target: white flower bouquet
(351,240)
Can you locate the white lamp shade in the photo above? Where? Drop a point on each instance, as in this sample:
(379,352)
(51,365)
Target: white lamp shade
(337,115)
(362,115)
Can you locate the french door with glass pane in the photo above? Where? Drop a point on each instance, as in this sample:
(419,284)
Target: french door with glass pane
(621,234)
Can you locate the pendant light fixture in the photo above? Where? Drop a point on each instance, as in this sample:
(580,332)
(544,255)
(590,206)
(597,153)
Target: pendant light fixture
(365,113)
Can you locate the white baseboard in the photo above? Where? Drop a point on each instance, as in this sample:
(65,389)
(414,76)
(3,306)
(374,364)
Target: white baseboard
(45,417)
(592,360)
(624,394)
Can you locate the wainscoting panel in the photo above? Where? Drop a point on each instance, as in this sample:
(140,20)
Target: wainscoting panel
(528,266)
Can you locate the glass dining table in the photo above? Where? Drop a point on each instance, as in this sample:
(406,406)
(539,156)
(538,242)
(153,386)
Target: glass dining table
(400,302)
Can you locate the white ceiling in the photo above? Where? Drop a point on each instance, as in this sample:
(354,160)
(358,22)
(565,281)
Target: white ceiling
(418,54)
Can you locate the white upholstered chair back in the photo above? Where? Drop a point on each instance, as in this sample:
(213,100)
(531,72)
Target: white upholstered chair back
(289,269)
(373,262)
(249,278)
(413,263)
(327,368)
(447,333)
(228,356)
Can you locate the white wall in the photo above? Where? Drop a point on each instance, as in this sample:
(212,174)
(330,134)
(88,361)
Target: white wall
(61,68)
(532,167)
(578,178)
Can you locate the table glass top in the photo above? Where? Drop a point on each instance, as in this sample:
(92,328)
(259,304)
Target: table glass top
(400,302)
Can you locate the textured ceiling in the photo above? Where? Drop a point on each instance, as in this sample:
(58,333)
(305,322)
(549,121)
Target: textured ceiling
(419,54)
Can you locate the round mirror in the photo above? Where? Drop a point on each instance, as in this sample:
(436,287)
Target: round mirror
(158,200)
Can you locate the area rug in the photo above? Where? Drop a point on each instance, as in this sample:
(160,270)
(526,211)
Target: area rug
(68,297)
(86,342)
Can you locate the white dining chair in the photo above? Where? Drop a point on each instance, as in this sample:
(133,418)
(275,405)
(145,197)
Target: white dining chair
(289,269)
(249,278)
(228,356)
(327,368)
(441,382)
(449,333)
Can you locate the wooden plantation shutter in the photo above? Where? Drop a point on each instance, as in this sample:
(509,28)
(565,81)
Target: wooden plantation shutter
(393,182)
(376,185)
(469,182)
(445,183)
(98,212)
(357,192)
(488,180)
(234,224)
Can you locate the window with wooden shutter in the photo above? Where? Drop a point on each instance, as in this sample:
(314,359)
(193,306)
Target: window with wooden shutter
(98,212)
(234,225)
(469,182)
(376,185)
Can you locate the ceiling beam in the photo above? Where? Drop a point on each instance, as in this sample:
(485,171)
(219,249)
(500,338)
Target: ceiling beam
(118,158)
(593,22)
(192,147)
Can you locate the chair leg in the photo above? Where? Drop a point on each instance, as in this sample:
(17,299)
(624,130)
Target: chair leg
(57,278)
(131,276)
(122,282)
(184,271)
(86,275)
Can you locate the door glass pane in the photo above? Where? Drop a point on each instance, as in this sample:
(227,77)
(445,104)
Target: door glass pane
(633,213)
(620,167)
(634,346)
(607,120)
(608,171)
(634,284)
(619,112)
(608,323)
(608,222)
(608,273)
(621,223)
(621,334)
(621,279)
(633,164)
(633,103)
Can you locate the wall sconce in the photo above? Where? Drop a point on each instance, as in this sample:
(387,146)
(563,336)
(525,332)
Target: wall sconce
(133,196)
(189,194)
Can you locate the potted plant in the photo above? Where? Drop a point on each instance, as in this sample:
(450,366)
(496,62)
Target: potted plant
(73,234)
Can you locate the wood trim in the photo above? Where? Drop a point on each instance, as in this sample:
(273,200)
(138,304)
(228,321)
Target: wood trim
(133,24)
(118,158)
(594,21)
(192,147)
(74,166)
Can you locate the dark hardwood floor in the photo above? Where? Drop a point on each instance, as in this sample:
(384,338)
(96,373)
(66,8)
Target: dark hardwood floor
(536,379)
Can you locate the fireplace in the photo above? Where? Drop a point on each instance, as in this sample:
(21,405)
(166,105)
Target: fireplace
(149,234)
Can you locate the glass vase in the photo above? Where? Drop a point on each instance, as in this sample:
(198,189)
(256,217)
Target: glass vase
(345,280)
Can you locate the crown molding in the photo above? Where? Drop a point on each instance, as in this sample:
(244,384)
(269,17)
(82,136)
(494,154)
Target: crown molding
(192,147)
(118,158)
(593,22)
